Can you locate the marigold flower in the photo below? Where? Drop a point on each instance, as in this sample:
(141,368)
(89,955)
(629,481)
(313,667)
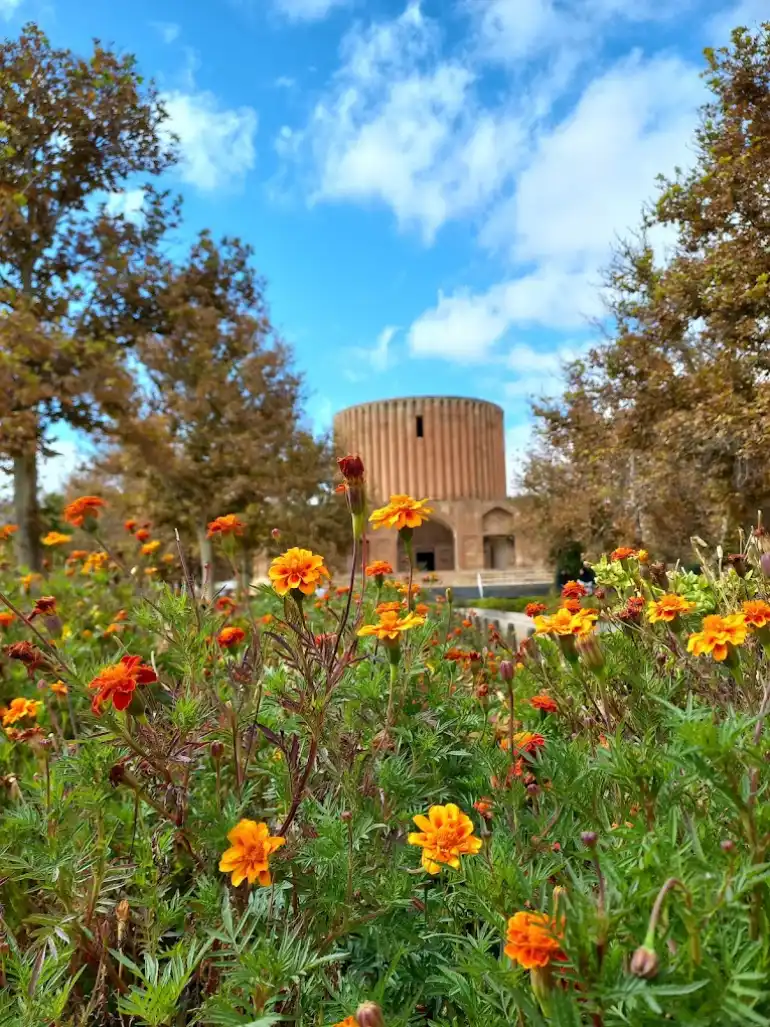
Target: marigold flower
(378,569)
(297,569)
(81,510)
(229,524)
(94,562)
(168,558)
(535,609)
(524,742)
(642,556)
(224,604)
(150,547)
(113,629)
(533,940)
(266,618)
(117,683)
(563,622)
(623,553)
(142,535)
(59,688)
(402,587)
(45,606)
(120,615)
(251,848)
(573,605)
(130,525)
(668,608)
(390,626)
(445,835)
(573,590)
(349,1021)
(19,709)
(718,636)
(27,580)
(230,636)
(7,530)
(484,808)
(756,613)
(77,554)
(28,654)
(6,618)
(56,538)
(400,513)
(422,609)
(544,703)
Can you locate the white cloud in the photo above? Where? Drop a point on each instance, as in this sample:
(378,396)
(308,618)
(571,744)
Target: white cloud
(376,358)
(216,143)
(748,13)
(8,8)
(129,203)
(285,82)
(307,10)
(168,31)
(401,127)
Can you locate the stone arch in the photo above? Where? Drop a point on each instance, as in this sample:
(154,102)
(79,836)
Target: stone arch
(434,548)
(499,541)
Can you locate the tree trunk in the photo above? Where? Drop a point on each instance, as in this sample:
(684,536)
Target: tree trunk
(206,551)
(26,510)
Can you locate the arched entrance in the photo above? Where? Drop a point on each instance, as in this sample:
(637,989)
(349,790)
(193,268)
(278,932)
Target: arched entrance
(499,542)
(434,549)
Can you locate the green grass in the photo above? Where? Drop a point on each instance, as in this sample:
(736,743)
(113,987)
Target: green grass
(507,604)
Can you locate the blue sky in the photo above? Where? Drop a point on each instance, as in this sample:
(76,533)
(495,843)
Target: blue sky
(431,188)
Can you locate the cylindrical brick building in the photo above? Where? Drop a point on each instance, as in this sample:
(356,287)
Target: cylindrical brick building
(450,450)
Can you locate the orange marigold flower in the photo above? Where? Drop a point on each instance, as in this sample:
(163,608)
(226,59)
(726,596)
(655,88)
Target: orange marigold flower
(395,606)
(445,835)
(120,615)
(224,604)
(525,742)
(168,558)
(400,513)
(266,618)
(59,688)
(533,940)
(422,609)
(623,553)
(668,608)
(7,530)
(81,510)
(297,569)
(642,556)
(113,629)
(718,636)
(117,683)
(573,590)
(756,613)
(229,524)
(19,709)
(130,525)
(94,562)
(573,605)
(342,590)
(402,587)
(379,568)
(150,547)
(142,535)
(6,618)
(535,609)
(230,636)
(390,626)
(251,846)
(545,703)
(349,1021)
(55,538)
(484,808)
(77,554)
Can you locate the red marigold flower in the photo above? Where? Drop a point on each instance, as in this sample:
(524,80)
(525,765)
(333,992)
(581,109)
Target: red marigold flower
(224,604)
(525,742)
(351,469)
(83,509)
(230,636)
(573,590)
(573,605)
(535,609)
(545,703)
(117,683)
(45,606)
(622,553)
(142,535)
(130,525)
(229,524)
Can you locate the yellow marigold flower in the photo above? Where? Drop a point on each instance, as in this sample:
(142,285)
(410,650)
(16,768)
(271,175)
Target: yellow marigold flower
(19,709)
(564,622)
(642,556)
(445,835)
(56,538)
(390,626)
(297,569)
(401,512)
(27,580)
(94,562)
(247,858)
(59,688)
(168,558)
(756,613)
(718,636)
(150,547)
(668,608)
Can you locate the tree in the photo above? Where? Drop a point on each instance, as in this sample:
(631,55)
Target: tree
(216,426)
(75,280)
(679,388)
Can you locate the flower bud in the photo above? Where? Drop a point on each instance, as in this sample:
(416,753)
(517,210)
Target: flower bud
(352,470)
(589,839)
(506,670)
(217,750)
(450,596)
(645,963)
(727,845)
(764,564)
(591,653)
(276,533)
(738,563)
(346,816)
(369,1014)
